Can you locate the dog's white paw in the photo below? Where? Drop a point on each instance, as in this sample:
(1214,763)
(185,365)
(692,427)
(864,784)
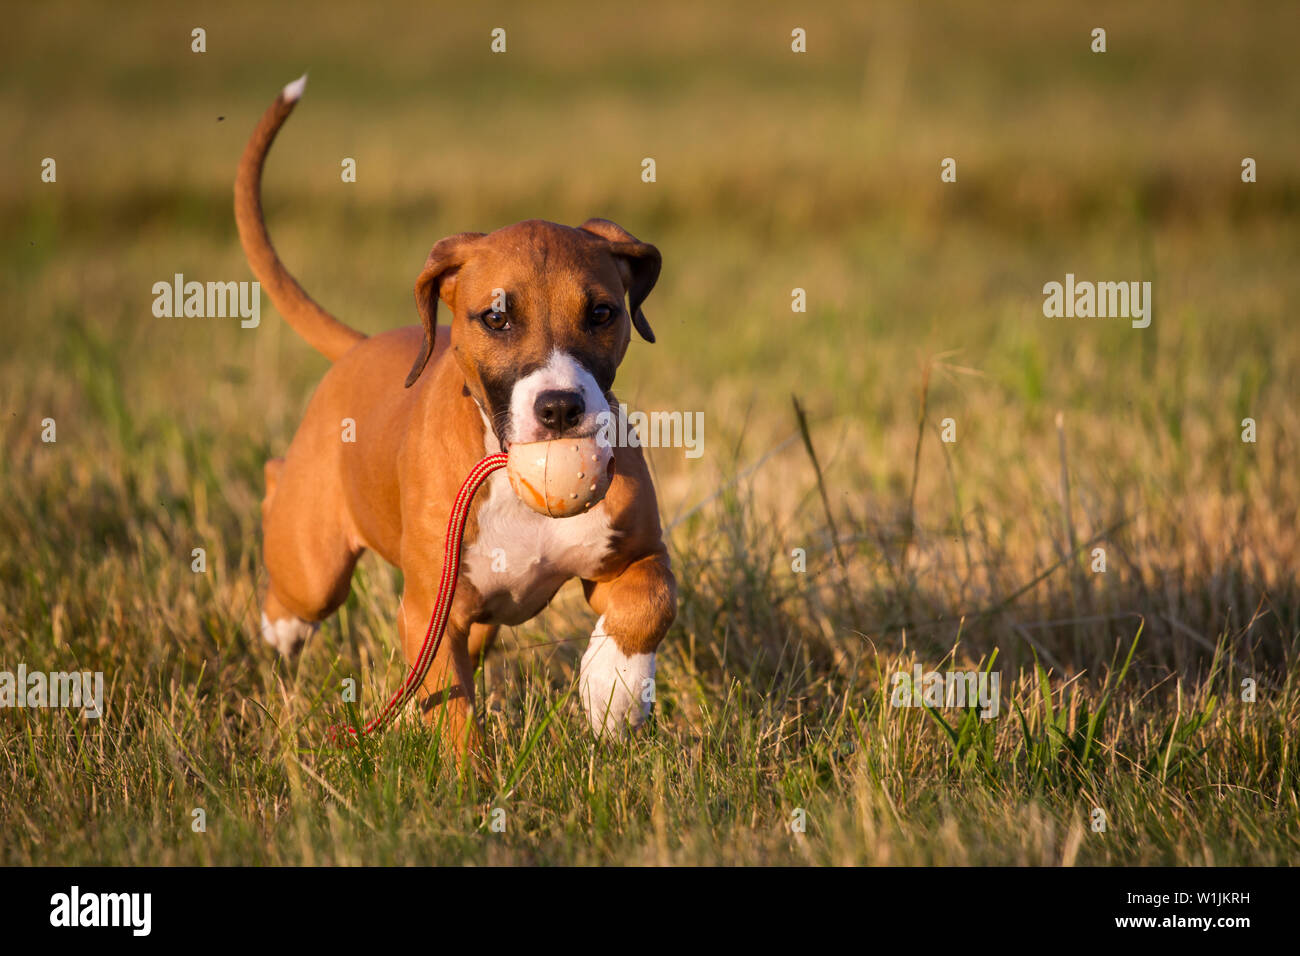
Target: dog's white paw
(617,691)
(288,634)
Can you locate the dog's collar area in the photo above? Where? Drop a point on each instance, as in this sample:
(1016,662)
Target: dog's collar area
(487,424)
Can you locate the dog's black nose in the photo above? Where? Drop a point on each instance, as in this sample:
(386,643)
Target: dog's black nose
(558,409)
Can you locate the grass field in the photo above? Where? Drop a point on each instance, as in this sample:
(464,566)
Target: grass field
(775,171)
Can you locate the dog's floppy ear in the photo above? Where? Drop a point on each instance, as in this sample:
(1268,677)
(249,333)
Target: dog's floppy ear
(639,262)
(447,256)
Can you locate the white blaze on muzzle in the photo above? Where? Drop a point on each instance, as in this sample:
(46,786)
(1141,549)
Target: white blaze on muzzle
(562,372)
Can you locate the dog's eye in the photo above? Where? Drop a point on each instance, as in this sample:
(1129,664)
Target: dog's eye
(496,321)
(601,314)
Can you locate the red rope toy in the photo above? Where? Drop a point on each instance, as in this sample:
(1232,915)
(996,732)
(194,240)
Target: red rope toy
(441,608)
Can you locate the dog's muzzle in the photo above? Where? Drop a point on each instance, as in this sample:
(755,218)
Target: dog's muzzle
(559,399)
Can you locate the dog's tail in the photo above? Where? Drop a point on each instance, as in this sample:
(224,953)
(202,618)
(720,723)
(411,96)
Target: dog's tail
(322,331)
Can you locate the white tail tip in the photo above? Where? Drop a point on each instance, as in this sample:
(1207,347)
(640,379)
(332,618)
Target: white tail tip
(293,92)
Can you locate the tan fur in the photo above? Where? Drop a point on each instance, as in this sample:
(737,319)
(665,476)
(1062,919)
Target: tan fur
(411,393)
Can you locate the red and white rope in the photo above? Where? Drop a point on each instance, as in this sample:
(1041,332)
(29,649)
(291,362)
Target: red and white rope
(446,592)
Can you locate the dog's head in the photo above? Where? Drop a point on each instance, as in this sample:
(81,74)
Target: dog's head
(539,323)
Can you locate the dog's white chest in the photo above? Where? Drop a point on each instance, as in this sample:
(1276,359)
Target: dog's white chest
(520,558)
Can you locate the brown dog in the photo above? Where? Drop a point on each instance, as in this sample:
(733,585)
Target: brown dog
(538,330)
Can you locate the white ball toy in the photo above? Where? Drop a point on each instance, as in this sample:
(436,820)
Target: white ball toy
(562,477)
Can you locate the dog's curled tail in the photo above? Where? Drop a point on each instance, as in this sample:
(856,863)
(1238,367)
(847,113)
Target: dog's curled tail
(323,332)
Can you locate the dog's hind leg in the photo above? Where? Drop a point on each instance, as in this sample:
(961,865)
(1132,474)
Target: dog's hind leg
(283,629)
(309,559)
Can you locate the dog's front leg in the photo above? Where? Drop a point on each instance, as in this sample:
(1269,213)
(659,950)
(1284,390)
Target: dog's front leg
(616,679)
(446,698)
